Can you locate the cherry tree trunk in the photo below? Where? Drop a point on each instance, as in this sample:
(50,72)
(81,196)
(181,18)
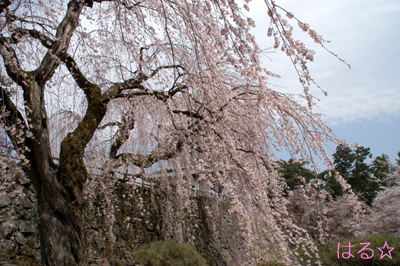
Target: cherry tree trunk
(60,209)
(62,236)
(60,187)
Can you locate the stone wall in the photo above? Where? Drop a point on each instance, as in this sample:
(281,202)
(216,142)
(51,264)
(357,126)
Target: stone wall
(19,234)
(144,217)
(139,218)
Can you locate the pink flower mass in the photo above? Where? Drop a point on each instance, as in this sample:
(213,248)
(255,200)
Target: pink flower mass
(95,92)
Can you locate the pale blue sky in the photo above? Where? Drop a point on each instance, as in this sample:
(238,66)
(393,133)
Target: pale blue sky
(363,104)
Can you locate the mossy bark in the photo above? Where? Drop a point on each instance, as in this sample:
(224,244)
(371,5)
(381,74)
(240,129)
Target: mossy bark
(59,189)
(62,222)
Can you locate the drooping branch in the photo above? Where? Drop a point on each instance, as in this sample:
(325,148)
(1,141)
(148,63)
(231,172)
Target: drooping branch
(160,153)
(13,118)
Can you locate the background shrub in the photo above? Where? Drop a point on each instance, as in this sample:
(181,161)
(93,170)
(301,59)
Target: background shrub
(271,264)
(168,254)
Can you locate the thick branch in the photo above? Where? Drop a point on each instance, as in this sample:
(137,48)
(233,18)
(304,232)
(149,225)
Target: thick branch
(59,47)
(72,173)
(4,5)
(40,161)
(122,137)
(73,68)
(125,4)
(117,88)
(137,83)
(11,63)
(112,124)
(160,95)
(36,153)
(76,73)
(146,161)
(44,39)
(188,114)
(156,94)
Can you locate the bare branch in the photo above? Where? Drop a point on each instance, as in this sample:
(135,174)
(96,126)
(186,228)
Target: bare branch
(143,78)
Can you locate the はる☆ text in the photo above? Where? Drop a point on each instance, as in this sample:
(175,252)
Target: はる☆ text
(367,253)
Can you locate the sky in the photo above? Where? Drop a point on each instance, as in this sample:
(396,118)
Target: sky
(363,103)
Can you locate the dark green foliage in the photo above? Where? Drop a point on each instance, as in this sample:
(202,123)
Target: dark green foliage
(360,179)
(292,171)
(380,166)
(331,184)
(352,166)
(330,256)
(343,160)
(365,179)
(168,254)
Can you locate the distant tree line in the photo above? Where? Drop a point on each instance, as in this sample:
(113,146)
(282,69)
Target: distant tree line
(366,179)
